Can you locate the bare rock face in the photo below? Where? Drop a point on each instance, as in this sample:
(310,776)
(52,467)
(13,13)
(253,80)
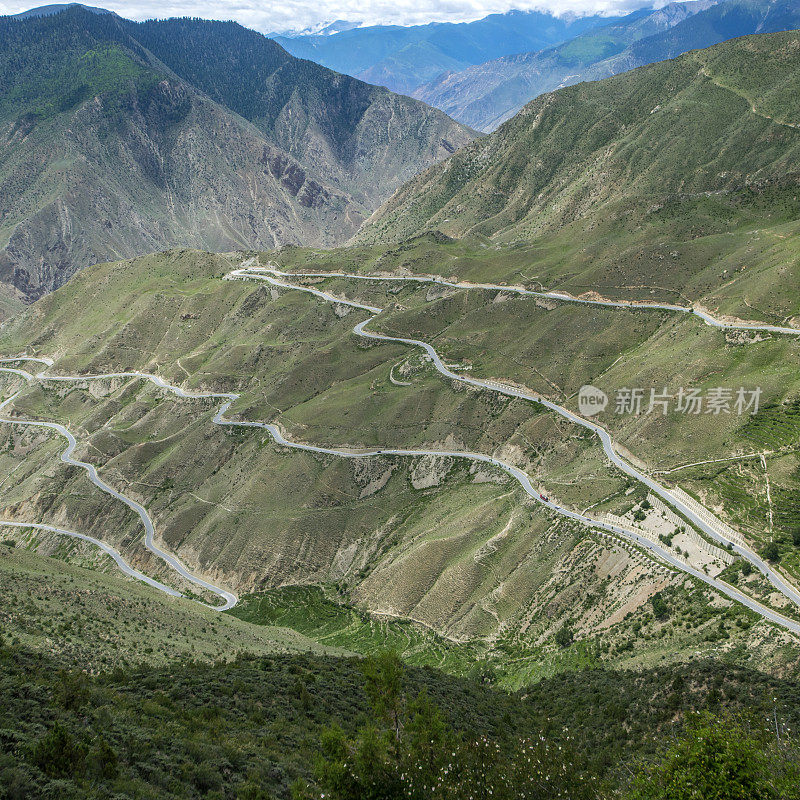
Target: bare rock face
(187,146)
(177,169)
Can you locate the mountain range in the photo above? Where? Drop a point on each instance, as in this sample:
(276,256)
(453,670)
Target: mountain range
(676,182)
(441,574)
(485,95)
(121,138)
(712,123)
(403,57)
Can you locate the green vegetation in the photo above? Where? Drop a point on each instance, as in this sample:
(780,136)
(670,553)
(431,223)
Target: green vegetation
(306,609)
(109,690)
(453,549)
(407,750)
(254,727)
(657,179)
(726,759)
(106,69)
(775,425)
(99,620)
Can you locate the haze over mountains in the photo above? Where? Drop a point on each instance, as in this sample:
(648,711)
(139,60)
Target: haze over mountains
(494,91)
(121,138)
(486,95)
(402,58)
(482,73)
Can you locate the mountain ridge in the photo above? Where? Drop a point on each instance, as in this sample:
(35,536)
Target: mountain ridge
(401,58)
(486,95)
(111,149)
(522,181)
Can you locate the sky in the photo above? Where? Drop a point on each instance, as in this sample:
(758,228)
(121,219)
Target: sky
(298,14)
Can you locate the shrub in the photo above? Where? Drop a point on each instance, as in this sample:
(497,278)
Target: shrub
(771,552)
(58,755)
(660,607)
(564,636)
(720,759)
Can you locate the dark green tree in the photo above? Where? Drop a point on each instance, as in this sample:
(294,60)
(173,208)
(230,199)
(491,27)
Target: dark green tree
(660,607)
(771,552)
(720,759)
(384,687)
(102,762)
(58,755)
(564,637)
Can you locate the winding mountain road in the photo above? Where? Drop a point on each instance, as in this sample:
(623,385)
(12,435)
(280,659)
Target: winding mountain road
(229,599)
(704,315)
(120,561)
(272,276)
(775,579)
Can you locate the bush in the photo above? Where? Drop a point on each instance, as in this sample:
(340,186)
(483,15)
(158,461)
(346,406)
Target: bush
(721,758)
(58,755)
(660,607)
(771,552)
(564,636)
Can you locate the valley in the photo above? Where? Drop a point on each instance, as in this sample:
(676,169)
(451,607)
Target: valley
(347,452)
(646,547)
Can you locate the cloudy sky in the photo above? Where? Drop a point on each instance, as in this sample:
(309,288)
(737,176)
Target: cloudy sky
(296,14)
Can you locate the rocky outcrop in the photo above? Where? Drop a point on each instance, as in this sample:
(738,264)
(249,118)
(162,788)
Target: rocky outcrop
(167,140)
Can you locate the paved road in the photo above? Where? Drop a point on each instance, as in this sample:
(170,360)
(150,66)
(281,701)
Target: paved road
(268,275)
(229,599)
(121,563)
(708,318)
(608,446)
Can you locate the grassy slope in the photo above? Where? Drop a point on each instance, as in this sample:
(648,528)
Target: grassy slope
(96,619)
(611,349)
(567,345)
(467,559)
(656,179)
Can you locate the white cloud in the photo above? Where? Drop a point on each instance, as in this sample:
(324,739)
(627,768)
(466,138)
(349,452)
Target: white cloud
(297,14)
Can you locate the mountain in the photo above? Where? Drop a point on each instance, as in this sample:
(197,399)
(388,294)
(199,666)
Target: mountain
(320,29)
(711,123)
(351,552)
(121,138)
(402,58)
(57,8)
(486,95)
(389,525)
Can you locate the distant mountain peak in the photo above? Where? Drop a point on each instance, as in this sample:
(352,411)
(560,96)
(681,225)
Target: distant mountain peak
(57,8)
(326,28)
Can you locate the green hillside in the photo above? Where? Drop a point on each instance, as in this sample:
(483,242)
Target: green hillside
(75,606)
(650,177)
(282,726)
(511,650)
(453,554)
